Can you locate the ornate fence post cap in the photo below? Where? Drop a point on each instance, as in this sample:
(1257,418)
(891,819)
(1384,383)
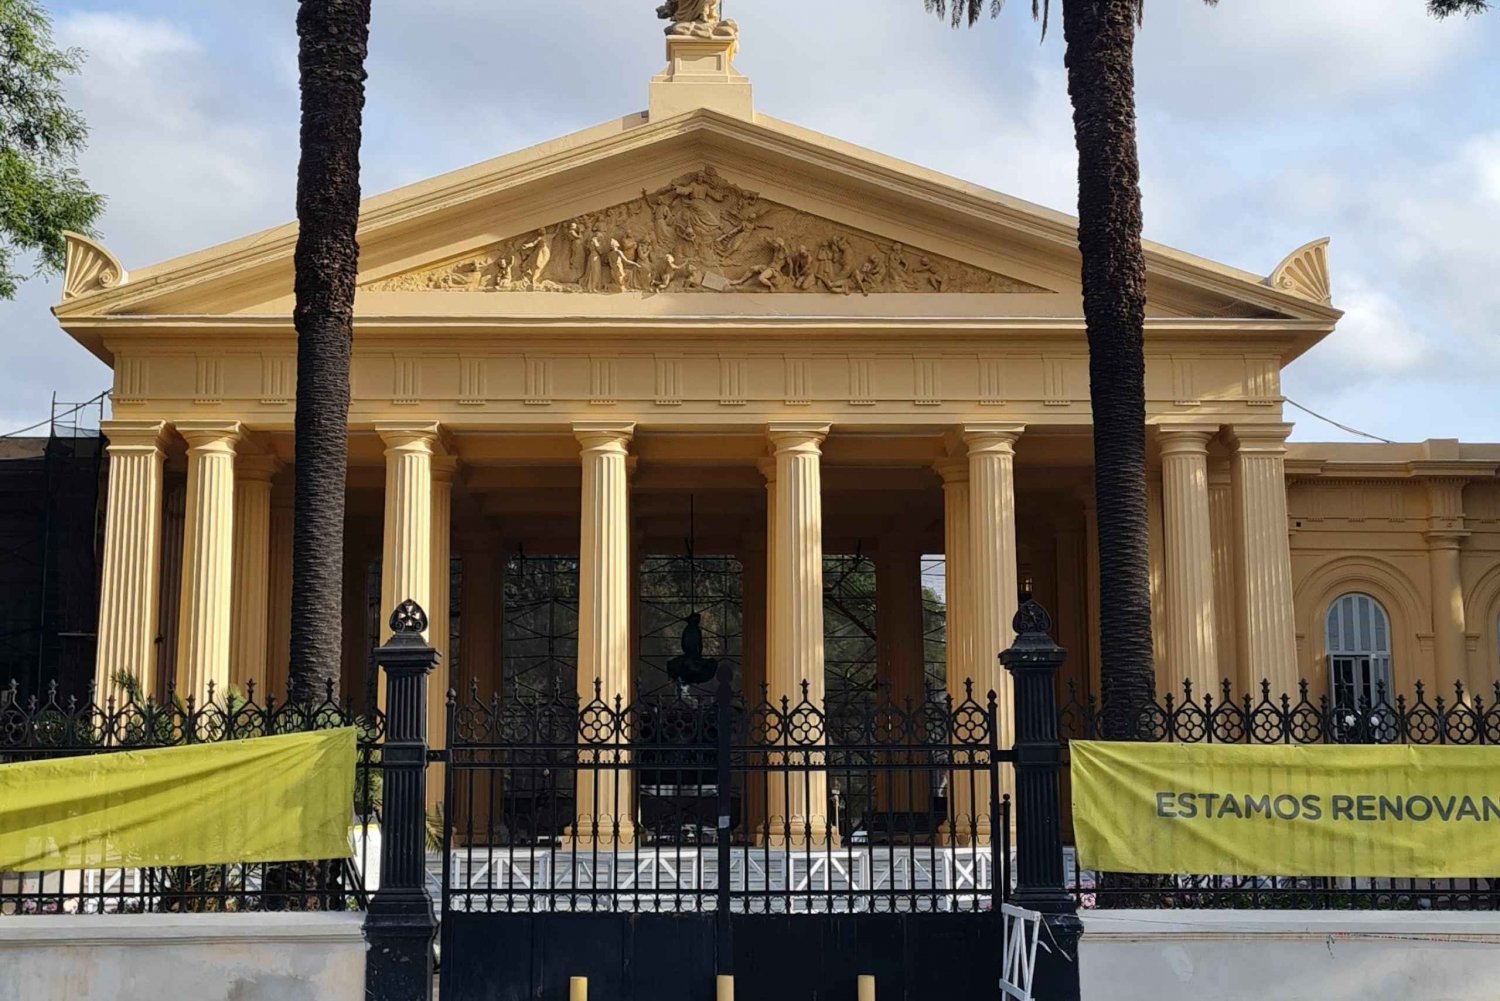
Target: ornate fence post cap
(1033,627)
(408,618)
(407,645)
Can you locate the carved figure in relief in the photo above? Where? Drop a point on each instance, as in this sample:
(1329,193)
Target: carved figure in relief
(593,275)
(670,270)
(539,252)
(697,196)
(621,267)
(896,268)
(925,271)
(720,237)
(771,275)
(751,215)
(577,258)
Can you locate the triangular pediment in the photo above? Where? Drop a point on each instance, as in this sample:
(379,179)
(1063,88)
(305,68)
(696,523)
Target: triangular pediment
(744,208)
(701,234)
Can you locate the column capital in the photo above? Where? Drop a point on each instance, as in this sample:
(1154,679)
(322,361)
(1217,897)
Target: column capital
(1445,538)
(211,436)
(134,435)
(953,469)
(604,436)
(408,436)
(1262,438)
(443,468)
(1185,437)
(797,436)
(256,468)
(992,437)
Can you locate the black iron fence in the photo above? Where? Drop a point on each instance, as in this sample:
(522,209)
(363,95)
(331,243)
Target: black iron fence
(689,802)
(51,728)
(1264,718)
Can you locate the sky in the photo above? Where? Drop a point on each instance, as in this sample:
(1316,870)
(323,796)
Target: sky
(1263,124)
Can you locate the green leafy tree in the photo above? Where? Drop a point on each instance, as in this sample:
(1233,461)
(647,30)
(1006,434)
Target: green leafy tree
(1099,43)
(333,40)
(41,193)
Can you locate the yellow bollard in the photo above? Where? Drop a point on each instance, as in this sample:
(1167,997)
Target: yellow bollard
(724,988)
(578,989)
(866,987)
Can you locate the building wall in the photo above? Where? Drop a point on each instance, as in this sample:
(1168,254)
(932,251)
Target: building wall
(1255,955)
(1371,536)
(207,957)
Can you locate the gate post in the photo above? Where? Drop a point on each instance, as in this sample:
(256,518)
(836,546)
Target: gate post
(1040,881)
(400,925)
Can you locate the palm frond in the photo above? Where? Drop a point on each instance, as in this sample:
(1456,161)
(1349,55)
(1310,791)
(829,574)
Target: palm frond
(961,12)
(1444,8)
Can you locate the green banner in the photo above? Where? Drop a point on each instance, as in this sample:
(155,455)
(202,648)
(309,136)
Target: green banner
(268,799)
(1299,810)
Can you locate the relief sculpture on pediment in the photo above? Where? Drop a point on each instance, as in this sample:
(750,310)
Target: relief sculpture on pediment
(702,234)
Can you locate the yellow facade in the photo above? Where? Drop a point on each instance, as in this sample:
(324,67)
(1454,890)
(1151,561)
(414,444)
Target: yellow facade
(828,350)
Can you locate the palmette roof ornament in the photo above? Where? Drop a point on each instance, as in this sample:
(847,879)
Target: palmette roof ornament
(1304,272)
(696,19)
(89,267)
(702,234)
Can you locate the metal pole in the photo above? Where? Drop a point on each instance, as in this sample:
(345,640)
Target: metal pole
(400,925)
(1033,662)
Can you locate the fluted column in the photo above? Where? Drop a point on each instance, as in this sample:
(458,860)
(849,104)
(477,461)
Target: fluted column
(1445,535)
(756,633)
(992,526)
(132,555)
(1226,566)
(207,559)
(1264,623)
(900,658)
(900,661)
(440,618)
(799,802)
(279,613)
(406,553)
(992,530)
(958,630)
(605,797)
(252,572)
(479,621)
(1192,633)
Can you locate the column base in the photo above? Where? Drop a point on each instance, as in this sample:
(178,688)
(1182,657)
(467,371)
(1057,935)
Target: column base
(798,834)
(603,834)
(964,833)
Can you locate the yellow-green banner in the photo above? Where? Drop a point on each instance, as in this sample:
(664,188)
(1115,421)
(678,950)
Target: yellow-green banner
(1325,810)
(269,799)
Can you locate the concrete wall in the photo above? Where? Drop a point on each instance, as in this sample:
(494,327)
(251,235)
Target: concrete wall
(1286,955)
(193,957)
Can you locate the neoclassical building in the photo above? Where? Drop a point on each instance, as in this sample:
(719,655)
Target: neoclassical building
(701,325)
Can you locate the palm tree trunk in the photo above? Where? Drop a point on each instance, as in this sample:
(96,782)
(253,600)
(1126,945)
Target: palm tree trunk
(334,38)
(1100,38)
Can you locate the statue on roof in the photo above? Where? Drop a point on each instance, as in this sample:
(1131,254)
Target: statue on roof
(696,19)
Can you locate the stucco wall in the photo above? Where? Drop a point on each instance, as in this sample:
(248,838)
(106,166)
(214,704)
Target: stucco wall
(1288,956)
(1369,536)
(201,957)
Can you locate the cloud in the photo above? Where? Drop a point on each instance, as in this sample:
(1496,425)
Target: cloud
(1291,59)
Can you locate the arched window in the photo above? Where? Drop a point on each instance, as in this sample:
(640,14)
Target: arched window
(1359,651)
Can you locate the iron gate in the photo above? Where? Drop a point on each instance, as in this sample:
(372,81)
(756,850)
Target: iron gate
(651,844)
